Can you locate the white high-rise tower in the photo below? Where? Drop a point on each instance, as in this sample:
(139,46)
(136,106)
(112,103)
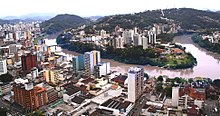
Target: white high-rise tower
(135,83)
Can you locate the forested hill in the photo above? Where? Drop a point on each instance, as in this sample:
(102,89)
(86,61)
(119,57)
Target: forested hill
(189,19)
(62,22)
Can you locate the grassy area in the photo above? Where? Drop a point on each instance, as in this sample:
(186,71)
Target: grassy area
(38,38)
(173,61)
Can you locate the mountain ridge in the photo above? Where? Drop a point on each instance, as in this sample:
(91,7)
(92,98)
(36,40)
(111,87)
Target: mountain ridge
(61,22)
(187,18)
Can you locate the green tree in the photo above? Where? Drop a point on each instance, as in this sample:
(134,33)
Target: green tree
(6,78)
(216,82)
(3,112)
(160,79)
(190,80)
(159,87)
(168,91)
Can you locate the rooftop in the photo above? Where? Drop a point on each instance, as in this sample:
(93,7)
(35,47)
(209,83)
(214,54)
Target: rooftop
(77,100)
(21,81)
(134,69)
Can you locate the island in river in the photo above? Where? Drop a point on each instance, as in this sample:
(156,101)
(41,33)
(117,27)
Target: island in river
(170,56)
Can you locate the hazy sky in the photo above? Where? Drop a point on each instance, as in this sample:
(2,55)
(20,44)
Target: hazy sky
(98,7)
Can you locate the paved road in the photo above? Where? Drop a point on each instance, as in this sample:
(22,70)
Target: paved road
(13,109)
(139,104)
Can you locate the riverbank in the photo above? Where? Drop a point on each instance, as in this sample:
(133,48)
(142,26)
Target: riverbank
(186,39)
(167,57)
(207,63)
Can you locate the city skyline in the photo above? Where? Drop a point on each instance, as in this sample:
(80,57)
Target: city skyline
(87,8)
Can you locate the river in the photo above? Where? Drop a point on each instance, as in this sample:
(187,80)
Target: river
(208,64)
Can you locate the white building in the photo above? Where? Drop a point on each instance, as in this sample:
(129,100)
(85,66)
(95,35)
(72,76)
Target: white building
(135,83)
(103,34)
(145,42)
(91,59)
(102,69)
(175,96)
(3,66)
(152,35)
(128,36)
(119,42)
(137,40)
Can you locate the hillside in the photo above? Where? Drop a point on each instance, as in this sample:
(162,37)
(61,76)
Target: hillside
(3,21)
(62,22)
(187,18)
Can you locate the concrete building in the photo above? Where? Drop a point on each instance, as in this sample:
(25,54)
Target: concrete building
(175,96)
(103,33)
(145,42)
(78,63)
(137,40)
(28,62)
(152,35)
(12,48)
(102,69)
(114,108)
(135,83)
(28,96)
(3,66)
(91,59)
(5,88)
(51,76)
(128,36)
(119,42)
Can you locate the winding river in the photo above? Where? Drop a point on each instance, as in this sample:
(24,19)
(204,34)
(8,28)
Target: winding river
(208,64)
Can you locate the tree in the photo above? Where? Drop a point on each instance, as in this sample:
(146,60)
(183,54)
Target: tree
(159,87)
(168,91)
(190,80)
(146,75)
(3,112)
(37,113)
(160,79)
(6,78)
(216,82)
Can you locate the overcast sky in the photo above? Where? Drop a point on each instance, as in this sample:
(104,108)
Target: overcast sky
(97,7)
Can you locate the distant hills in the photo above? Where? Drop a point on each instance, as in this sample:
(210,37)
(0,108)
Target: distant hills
(189,19)
(26,18)
(32,16)
(62,22)
(94,18)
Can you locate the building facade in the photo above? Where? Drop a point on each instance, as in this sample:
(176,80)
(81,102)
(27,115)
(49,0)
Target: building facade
(28,96)
(91,59)
(3,66)
(102,69)
(135,83)
(28,62)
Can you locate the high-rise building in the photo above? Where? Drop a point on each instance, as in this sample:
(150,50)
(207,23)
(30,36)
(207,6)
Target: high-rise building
(145,42)
(103,33)
(78,63)
(28,62)
(137,40)
(128,36)
(51,76)
(12,48)
(28,96)
(175,96)
(3,66)
(135,83)
(96,57)
(152,35)
(119,42)
(102,69)
(91,59)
